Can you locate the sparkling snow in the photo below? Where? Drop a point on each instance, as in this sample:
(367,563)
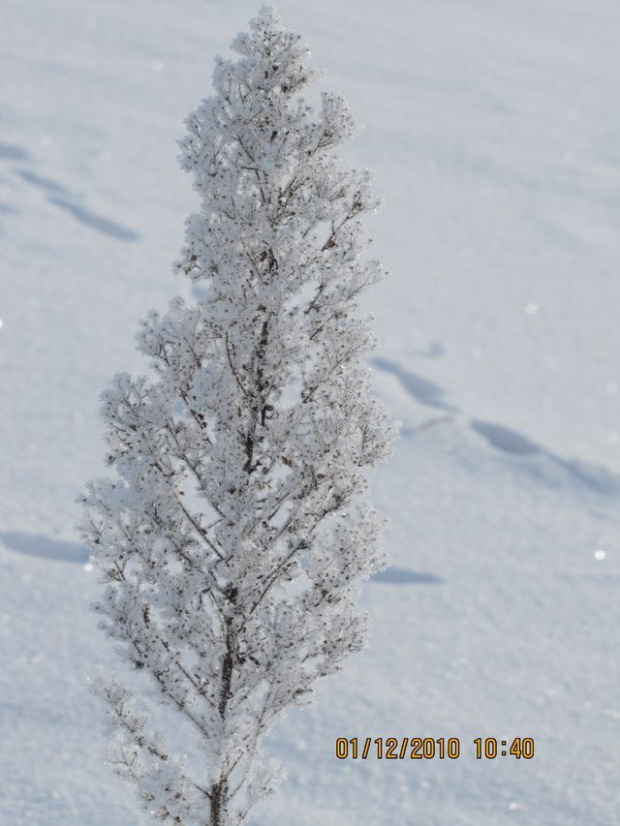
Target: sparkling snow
(492,132)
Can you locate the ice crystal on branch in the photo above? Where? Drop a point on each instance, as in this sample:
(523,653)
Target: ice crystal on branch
(236,532)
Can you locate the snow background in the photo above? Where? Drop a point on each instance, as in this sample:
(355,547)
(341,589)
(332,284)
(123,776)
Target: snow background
(493,133)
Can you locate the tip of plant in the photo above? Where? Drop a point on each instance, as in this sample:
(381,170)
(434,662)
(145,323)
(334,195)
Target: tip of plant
(268,14)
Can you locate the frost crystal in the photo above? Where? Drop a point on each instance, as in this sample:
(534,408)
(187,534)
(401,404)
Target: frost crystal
(235,534)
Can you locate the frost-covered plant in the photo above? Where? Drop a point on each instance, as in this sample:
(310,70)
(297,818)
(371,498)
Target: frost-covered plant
(235,534)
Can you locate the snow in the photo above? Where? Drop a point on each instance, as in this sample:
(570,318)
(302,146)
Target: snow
(492,133)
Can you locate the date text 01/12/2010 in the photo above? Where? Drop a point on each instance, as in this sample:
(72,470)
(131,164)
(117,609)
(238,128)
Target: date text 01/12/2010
(427,748)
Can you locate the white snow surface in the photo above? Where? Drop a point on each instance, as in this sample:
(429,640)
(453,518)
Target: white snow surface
(493,133)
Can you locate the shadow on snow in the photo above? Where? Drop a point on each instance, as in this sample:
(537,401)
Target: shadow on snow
(404,576)
(44,547)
